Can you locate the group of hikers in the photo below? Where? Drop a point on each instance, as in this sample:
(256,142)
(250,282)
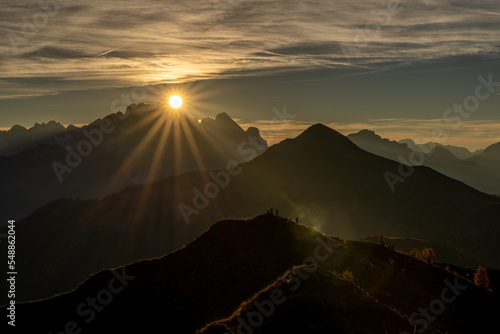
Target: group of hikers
(271,212)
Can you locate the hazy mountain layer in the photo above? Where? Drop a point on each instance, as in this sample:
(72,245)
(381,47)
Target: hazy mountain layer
(457,151)
(479,170)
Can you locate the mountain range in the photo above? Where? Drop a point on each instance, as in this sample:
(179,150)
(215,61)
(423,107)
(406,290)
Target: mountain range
(458,151)
(321,177)
(480,169)
(146,143)
(269,275)
(18,138)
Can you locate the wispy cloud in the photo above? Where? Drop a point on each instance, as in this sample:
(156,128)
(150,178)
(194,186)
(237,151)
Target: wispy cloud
(99,44)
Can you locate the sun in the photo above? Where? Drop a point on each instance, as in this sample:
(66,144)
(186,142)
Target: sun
(175,101)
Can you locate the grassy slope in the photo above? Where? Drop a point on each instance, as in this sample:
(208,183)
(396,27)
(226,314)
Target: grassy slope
(209,279)
(444,253)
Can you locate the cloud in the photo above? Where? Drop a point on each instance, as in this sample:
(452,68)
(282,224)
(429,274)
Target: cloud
(171,41)
(55,52)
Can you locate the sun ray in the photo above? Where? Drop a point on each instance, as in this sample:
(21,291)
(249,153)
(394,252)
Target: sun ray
(145,120)
(127,166)
(159,152)
(177,148)
(195,151)
(155,165)
(169,139)
(213,143)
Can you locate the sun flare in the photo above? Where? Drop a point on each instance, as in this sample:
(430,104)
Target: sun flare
(175,101)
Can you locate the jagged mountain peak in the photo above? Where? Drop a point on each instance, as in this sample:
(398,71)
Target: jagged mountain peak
(367,133)
(226,119)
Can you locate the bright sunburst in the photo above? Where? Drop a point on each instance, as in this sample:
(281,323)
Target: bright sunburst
(175,101)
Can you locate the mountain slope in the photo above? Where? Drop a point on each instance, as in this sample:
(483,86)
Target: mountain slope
(444,253)
(489,159)
(320,177)
(206,285)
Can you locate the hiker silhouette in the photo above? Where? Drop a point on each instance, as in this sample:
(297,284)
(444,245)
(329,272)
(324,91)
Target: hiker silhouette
(271,210)
(277,212)
(297,220)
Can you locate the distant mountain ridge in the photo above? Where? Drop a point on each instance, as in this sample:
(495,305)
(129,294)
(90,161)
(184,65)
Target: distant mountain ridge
(457,151)
(18,138)
(480,170)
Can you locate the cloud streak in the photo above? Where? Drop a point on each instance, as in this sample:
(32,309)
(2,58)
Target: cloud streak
(102,44)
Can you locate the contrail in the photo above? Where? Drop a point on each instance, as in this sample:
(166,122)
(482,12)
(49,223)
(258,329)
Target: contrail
(105,53)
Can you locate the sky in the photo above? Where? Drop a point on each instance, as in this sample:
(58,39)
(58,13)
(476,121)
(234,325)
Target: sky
(392,66)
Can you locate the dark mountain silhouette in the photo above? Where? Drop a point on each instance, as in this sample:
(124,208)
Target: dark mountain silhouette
(373,143)
(268,275)
(146,143)
(457,151)
(475,171)
(320,176)
(222,123)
